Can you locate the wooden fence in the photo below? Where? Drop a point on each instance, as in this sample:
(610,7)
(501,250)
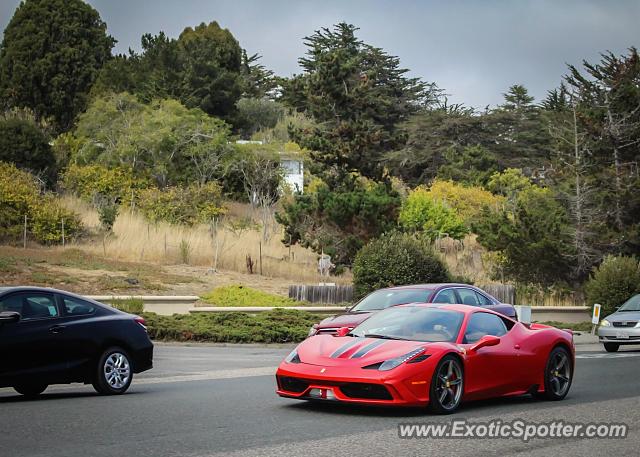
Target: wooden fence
(321,294)
(504,292)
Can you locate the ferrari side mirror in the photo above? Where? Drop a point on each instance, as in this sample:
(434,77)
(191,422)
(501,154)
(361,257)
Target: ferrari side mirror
(342,331)
(485,341)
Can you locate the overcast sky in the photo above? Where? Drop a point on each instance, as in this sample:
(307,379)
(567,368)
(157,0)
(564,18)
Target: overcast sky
(473,49)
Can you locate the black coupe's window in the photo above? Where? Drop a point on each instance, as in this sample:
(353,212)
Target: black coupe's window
(484,301)
(77,307)
(482,324)
(468,297)
(383,299)
(30,305)
(446,296)
(415,323)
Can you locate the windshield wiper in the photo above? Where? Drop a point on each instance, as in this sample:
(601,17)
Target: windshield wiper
(384,337)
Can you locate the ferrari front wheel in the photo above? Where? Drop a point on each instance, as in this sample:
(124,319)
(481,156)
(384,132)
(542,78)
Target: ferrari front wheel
(558,374)
(447,386)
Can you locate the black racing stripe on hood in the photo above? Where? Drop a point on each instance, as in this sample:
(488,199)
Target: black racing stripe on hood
(369,347)
(344,348)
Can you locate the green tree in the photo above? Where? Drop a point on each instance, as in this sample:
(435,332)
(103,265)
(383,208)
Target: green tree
(517,98)
(164,139)
(421,212)
(607,109)
(50,55)
(358,95)
(339,221)
(24,144)
(256,114)
(212,60)
(534,239)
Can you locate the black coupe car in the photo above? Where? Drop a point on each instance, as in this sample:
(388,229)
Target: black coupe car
(48,336)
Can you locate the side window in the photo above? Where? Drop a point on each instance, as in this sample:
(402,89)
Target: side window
(481,324)
(468,297)
(445,296)
(77,307)
(30,305)
(484,301)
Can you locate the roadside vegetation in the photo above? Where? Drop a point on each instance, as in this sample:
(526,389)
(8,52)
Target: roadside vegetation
(276,326)
(239,295)
(148,158)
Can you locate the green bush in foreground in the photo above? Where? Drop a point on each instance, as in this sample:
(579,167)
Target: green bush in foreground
(395,260)
(245,296)
(615,281)
(277,326)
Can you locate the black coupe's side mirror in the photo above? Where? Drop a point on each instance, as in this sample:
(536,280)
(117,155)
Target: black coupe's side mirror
(9,317)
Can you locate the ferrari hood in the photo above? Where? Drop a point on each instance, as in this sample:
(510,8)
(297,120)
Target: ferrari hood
(327,350)
(344,320)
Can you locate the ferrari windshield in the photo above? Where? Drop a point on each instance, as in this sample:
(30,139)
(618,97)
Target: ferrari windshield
(633,304)
(382,299)
(414,323)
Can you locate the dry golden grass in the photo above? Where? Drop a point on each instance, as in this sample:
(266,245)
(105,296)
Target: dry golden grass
(465,258)
(136,239)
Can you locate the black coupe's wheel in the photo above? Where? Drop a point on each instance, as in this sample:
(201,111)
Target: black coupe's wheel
(447,386)
(114,372)
(611,347)
(30,390)
(558,374)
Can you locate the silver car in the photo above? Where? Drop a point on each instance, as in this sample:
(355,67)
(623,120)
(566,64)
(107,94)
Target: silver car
(621,327)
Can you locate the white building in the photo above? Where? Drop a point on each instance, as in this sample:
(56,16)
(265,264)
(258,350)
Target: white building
(293,165)
(293,172)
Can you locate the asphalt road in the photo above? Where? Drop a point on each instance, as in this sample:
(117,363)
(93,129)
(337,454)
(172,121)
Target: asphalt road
(214,400)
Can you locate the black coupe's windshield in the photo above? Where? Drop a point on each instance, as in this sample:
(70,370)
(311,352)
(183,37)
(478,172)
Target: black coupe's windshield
(414,323)
(382,299)
(633,304)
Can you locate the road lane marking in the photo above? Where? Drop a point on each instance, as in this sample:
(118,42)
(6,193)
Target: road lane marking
(603,355)
(209,375)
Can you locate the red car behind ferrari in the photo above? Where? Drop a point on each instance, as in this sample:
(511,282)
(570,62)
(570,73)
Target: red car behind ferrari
(428,354)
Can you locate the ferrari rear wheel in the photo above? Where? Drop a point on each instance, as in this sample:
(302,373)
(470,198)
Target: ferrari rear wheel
(447,386)
(558,374)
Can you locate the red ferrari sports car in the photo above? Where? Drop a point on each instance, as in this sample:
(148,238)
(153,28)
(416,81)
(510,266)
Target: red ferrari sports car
(428,354)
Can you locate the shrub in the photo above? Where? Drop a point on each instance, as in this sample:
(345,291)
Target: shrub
(47,218)
(467,201)
(395,260)
(26,146)
(615,281)
(117,183)
(276,326)
(182,205)
(20,197)
(129,305)
(238,295)
(421,212)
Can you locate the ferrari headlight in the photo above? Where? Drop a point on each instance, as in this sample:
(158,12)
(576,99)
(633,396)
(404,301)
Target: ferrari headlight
(605,323)
(293,357)
(393,363)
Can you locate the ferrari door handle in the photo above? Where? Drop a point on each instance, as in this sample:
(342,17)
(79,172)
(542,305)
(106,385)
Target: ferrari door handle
(57,329)
(517,346)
